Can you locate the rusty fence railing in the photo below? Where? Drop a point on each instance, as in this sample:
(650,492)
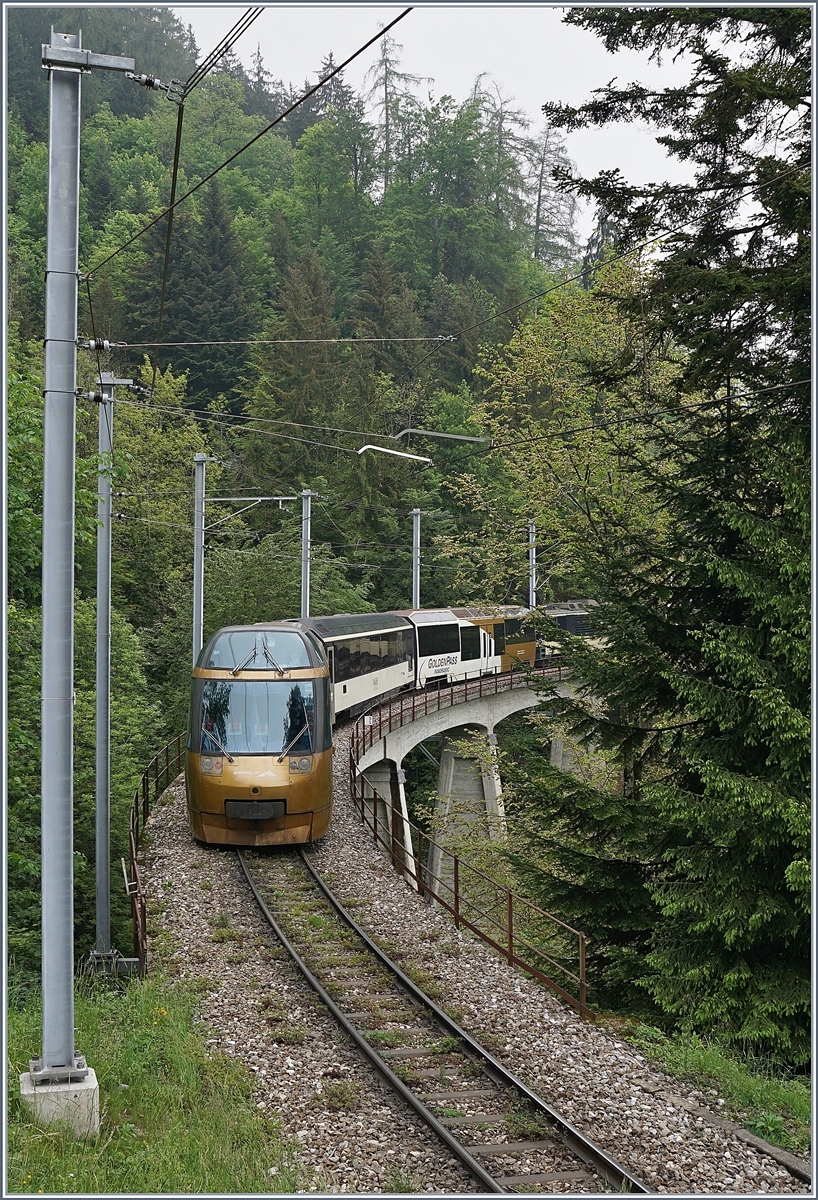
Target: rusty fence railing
(526,936)
(388,715)
(158,775)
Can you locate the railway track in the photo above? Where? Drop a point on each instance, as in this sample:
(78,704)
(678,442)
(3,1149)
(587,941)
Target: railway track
(507,1137)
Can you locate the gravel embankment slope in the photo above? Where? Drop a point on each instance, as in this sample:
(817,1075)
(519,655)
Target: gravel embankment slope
(664,1131)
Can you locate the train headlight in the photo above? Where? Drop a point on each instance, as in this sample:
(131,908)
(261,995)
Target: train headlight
(300,766)
(210,766)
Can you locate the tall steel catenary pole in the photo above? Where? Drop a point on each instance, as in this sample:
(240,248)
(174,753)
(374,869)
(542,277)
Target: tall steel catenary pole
(103,947)
(65,61)
(199,467)
(58,561)
(415,558)
(532,565)
(103,730)
(306,506)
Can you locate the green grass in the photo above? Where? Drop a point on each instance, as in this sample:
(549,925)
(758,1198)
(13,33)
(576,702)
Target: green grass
(386,1038)
(341,1095)
(756,1094)
(172,1120)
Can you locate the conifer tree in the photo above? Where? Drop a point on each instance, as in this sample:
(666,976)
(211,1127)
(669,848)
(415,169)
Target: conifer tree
(212,302)
(700,689)
(294,382)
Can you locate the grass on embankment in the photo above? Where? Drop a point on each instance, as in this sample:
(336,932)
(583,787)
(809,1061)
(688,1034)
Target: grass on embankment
(183,1122)
(757,1095)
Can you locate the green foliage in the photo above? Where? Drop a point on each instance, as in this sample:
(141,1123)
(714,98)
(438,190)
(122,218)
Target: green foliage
(173,1113)
(134,729)
(698,690)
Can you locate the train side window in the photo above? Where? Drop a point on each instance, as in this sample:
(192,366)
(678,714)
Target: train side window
(499,638)
(341,660)
(469,641)
(438,639)
(327,715)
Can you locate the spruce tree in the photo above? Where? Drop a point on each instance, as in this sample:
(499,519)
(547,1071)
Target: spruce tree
(700,687)
(213,302)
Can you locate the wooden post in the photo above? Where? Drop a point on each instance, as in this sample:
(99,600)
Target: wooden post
(511,928)
(582,990)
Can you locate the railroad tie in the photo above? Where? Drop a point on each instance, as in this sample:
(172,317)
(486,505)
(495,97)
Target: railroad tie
(510,1147)
(437,1072)
(405,1052)
(551,1177)
(478,1094)
(475,1119)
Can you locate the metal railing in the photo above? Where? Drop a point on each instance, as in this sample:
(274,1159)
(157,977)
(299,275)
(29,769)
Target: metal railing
(526,936)
(158,775)
(387,715)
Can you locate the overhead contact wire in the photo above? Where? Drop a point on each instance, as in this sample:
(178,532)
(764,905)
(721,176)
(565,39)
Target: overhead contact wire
(179,119)
(310,92)
(225,45)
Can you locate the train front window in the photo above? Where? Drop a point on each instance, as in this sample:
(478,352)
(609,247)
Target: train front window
(257,650)
(257,718)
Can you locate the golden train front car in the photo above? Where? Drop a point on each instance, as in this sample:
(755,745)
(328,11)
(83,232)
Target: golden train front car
(258,769)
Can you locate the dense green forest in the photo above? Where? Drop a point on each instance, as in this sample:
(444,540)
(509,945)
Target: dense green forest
(648,410)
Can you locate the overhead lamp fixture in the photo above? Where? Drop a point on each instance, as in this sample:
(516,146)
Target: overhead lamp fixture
(455,437)
(397,453)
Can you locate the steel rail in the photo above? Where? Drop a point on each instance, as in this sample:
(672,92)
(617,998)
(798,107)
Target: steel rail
(608,1167)
(372,1056)
(611,1171)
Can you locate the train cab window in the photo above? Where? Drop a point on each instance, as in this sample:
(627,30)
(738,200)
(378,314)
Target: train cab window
(469,641)
(499,638)
(257,718)
(316,645)
(255,650)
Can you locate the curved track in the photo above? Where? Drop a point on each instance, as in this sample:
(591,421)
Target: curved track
(503,1133)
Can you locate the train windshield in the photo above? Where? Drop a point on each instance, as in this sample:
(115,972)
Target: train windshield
(257,650)
(257,718)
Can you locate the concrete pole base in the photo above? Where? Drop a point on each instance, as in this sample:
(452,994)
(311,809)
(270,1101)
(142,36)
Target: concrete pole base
(75,1105)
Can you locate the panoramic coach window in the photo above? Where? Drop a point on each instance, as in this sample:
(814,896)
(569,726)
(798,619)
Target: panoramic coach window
(499,638)
(576,623)
(438,639)
(257,718)
(469,641)
(254,650)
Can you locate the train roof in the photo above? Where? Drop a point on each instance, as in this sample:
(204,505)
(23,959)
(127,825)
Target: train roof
(429,616)
(491,612)
(568,606)
(350,624)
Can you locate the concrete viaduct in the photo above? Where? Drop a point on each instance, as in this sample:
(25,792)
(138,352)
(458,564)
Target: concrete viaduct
(467,786)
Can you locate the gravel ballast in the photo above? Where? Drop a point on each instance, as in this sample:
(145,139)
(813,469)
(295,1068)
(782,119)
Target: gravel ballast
(661,1129)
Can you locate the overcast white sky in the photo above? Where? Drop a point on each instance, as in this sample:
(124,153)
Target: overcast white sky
(526,49)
